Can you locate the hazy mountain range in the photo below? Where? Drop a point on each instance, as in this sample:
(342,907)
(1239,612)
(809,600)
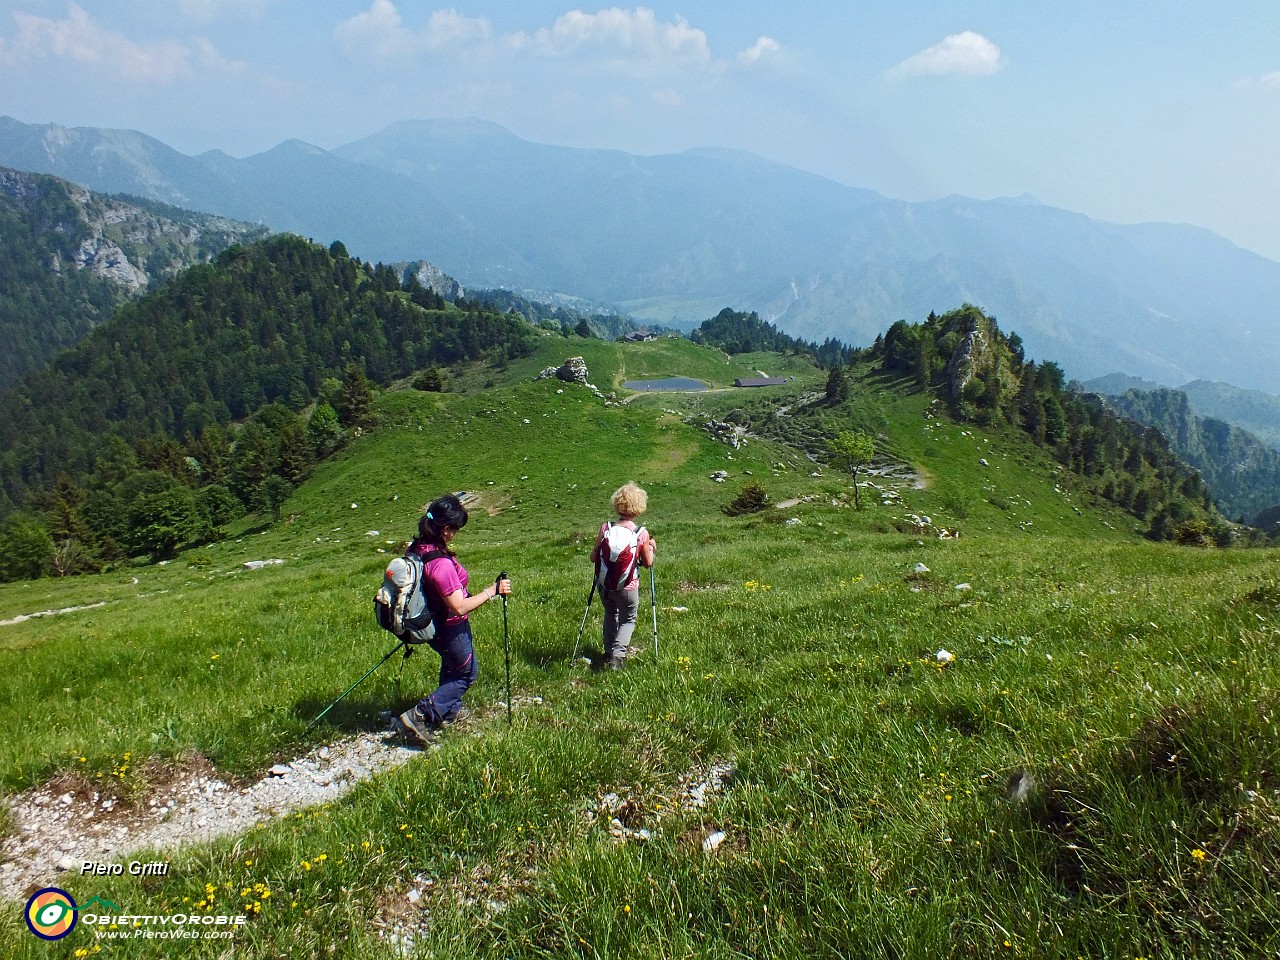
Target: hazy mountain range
(675,238)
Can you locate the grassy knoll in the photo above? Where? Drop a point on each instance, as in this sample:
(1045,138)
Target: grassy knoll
(1094,774)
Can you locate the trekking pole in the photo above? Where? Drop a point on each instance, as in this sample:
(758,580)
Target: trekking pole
(585,612)
(391,653)
(653,605)
(506,645)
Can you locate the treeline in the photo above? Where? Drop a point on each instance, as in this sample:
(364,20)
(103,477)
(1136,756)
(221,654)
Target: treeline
(735,332)
(983,376)
(553,317)
(213,397)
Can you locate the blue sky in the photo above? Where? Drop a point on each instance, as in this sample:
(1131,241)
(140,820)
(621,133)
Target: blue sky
(1162,110)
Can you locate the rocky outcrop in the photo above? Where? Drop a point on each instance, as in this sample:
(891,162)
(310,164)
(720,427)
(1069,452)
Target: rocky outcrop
(573,370)
(120,248)
(965,362)
(433,278)
(130,245)
(107,260)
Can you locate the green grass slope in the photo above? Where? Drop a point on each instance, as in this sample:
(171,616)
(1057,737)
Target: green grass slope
(1095,773)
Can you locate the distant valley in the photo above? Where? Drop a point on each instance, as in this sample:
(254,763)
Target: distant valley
(675,238)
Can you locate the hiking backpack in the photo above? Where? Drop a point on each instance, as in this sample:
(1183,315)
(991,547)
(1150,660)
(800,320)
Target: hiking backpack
(619,552)
(402,604)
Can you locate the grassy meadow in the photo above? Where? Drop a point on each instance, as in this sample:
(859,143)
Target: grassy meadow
(1095,773)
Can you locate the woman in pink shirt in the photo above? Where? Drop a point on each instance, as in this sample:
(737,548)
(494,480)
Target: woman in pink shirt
(445,582)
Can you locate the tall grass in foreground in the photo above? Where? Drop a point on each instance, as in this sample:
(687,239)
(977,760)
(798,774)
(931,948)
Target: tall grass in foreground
(1096,773)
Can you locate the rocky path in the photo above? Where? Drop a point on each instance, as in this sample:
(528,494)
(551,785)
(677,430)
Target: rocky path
(62,824)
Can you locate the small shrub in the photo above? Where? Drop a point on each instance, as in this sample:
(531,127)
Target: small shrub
(1195,533)
(431,380)
(752,498)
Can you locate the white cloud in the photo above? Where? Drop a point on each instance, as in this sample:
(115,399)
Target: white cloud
(763,47)
(381,31)
(207,11)
(82,40)
(967,54)
(620,34)
(1266,82)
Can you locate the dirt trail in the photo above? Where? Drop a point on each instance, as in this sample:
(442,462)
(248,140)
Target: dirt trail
(63,823)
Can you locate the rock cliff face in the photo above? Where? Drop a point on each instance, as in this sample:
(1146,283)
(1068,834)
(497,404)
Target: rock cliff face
(70,257)
(966,361)
(432,277)
(128,244)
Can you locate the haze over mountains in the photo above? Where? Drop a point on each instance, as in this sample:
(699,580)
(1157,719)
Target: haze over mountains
(675,238)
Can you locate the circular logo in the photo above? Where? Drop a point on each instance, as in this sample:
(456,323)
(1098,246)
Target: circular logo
(51,913)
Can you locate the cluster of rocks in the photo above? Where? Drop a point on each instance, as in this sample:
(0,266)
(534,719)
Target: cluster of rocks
(734,434)
(923,525)
(696,790)
(259,564)
(573,370)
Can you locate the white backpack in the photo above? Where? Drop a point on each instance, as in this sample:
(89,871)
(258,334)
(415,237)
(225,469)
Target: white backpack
(619,552)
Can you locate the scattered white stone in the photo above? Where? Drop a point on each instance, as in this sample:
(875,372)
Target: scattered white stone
(964,586)
(259,564)
(944,656)
(713,841)
(921,568)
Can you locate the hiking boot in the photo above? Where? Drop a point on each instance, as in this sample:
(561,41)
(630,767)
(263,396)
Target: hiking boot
(615,663)
(415,724)
(458,717)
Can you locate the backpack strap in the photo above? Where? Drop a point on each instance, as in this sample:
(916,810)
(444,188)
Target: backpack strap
(434,600)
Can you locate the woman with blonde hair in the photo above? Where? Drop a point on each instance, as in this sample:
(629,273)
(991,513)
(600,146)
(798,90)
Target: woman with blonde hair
(621,549)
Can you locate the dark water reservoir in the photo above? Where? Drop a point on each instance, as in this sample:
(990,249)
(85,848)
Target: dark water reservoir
(669,383)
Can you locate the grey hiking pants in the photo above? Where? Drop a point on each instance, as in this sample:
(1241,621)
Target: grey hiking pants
(620,608)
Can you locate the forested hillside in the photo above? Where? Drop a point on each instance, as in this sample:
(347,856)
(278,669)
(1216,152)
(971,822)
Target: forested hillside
(1242,472)
(983,376)
(70,257)
(136,441)
(977,374)
(736,332)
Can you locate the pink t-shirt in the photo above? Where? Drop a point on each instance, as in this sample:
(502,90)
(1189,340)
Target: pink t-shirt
(641,540)
(447,576)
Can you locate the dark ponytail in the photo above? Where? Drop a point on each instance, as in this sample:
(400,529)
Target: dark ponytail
(445,511)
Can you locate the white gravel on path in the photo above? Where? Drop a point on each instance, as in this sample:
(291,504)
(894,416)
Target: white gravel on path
(58,828)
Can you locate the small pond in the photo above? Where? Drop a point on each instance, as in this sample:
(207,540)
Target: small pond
(669,383)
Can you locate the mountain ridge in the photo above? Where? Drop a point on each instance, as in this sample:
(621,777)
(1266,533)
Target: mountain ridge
(669,235)
(71,257)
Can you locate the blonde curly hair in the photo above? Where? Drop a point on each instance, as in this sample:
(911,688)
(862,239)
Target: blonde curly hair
(629,500)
